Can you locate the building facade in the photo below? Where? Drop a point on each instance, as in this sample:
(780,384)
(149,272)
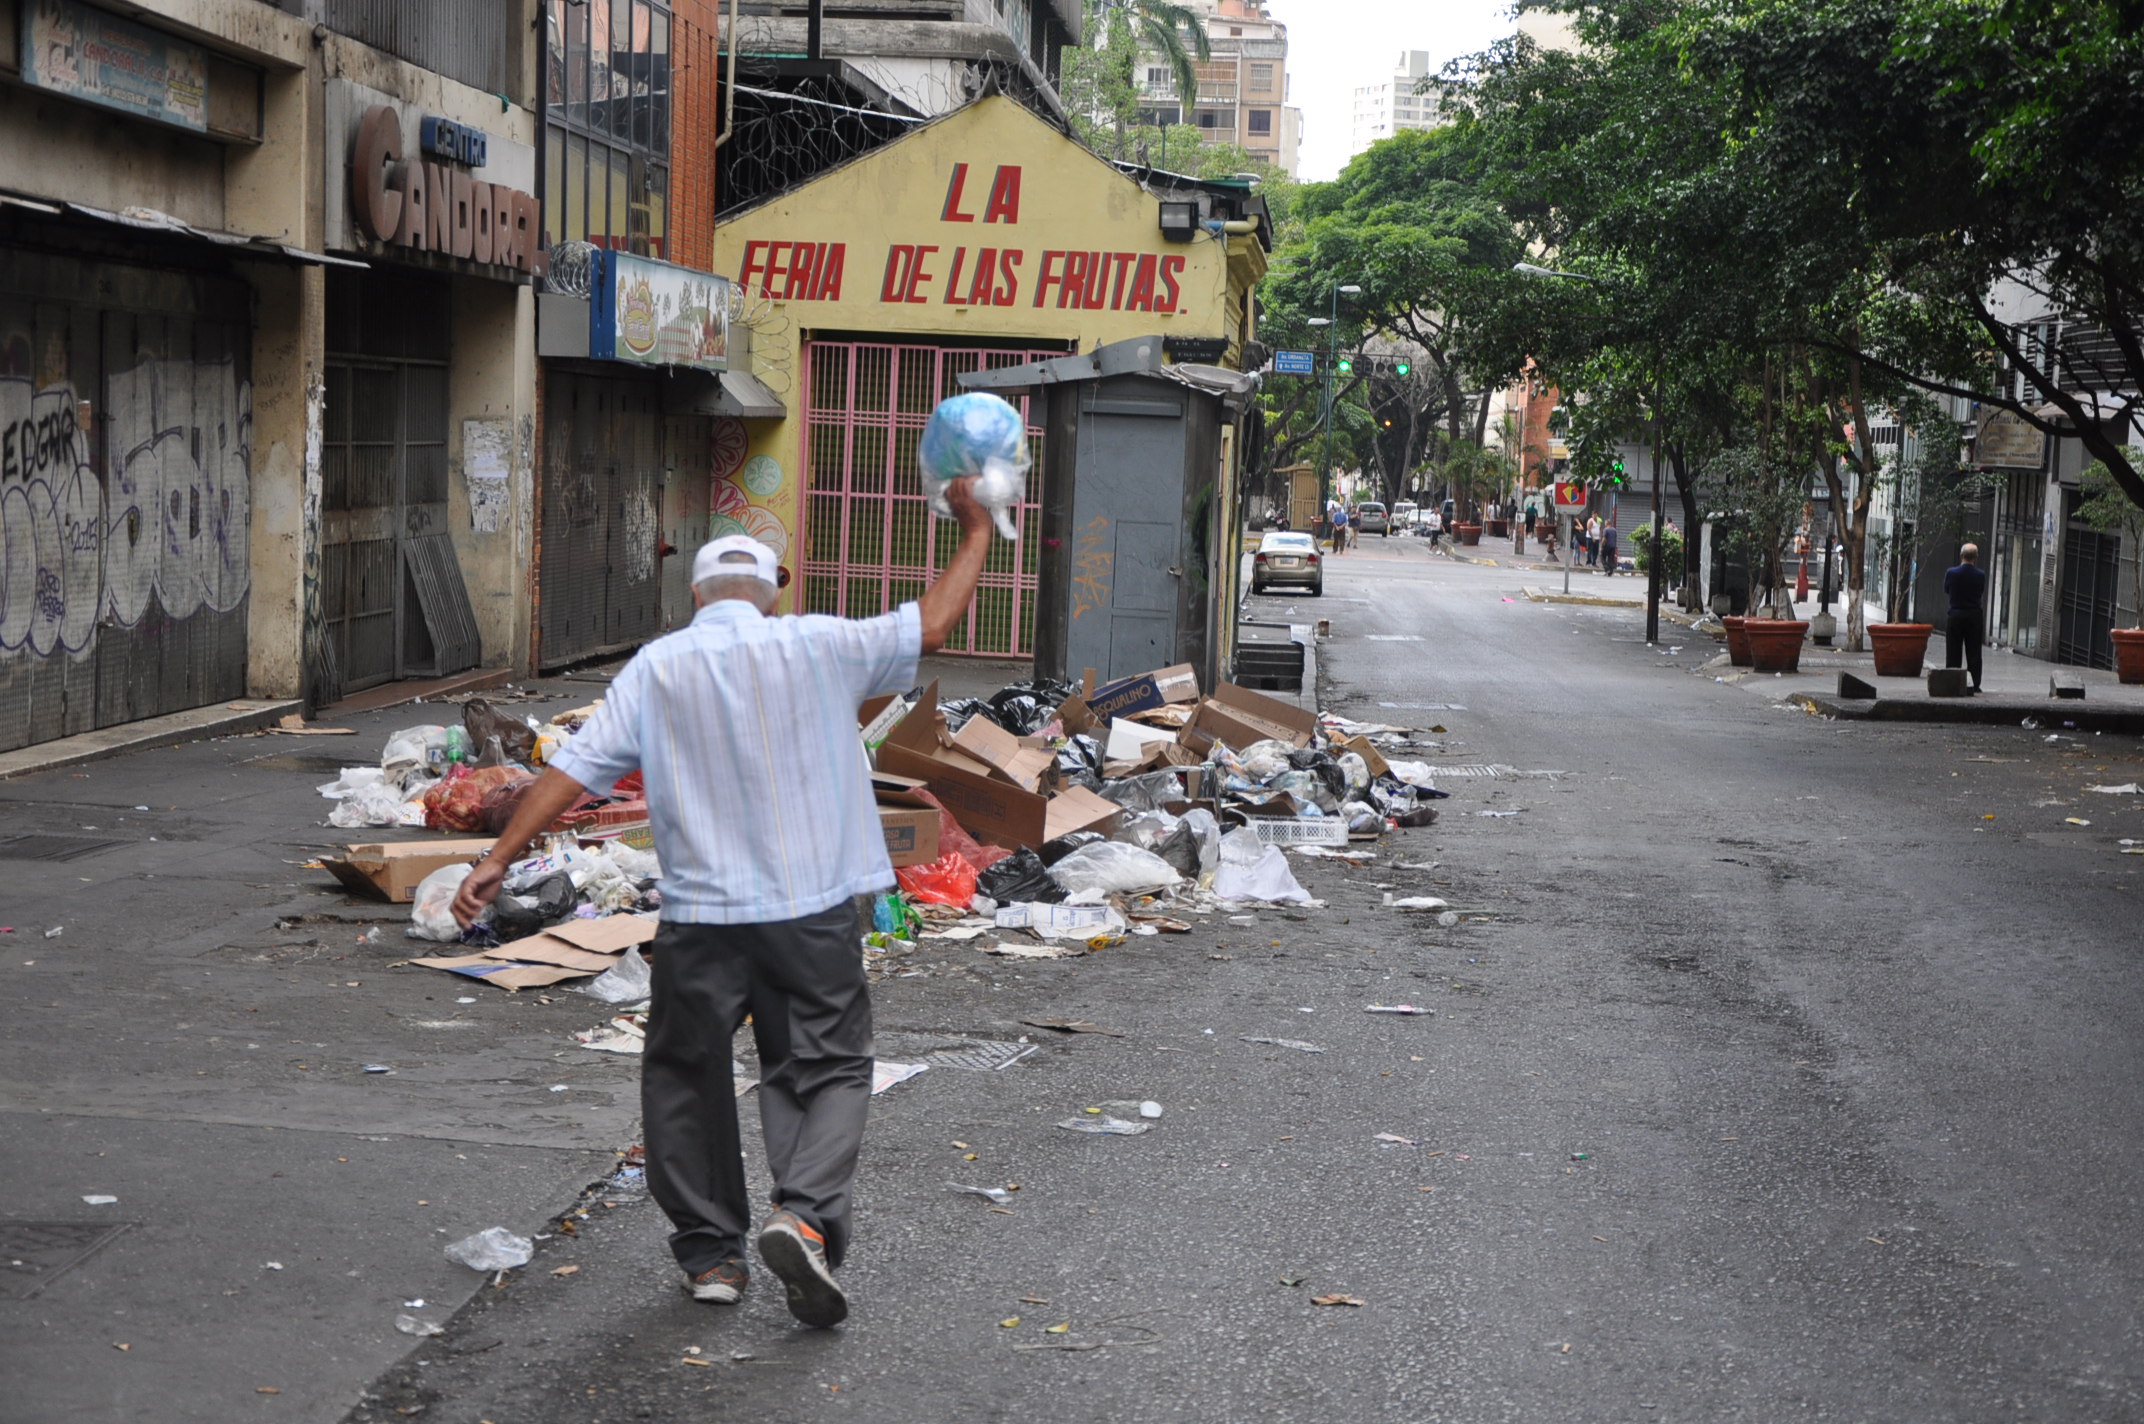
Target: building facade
(1407,99)
(259,377)
(1243,87)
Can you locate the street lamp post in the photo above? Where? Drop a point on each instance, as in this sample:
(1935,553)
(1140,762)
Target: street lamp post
(1332,360)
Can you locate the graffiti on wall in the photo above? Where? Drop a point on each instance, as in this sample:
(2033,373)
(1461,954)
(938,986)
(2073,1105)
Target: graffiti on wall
(173,519)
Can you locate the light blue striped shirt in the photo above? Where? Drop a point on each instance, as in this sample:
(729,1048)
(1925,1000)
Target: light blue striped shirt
(744,727)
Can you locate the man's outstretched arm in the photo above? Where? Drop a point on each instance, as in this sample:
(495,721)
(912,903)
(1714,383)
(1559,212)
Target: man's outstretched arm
(943,603)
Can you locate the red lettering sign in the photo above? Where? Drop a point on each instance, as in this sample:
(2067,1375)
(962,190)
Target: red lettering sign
(951,211)
(1004,204)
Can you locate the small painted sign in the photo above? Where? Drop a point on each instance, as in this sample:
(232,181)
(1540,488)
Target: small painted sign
(1570,494)
(1295,363)
(654,313)
(69,48)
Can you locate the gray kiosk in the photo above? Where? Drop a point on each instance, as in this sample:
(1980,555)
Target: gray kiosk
(1131,509)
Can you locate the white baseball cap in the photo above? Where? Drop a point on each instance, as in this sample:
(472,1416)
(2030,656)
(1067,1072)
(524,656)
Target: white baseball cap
(736,556)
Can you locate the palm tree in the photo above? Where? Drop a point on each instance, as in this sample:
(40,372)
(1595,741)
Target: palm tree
(1133,27)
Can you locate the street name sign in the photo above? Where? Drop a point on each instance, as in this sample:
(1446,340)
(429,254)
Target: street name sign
(1295,363)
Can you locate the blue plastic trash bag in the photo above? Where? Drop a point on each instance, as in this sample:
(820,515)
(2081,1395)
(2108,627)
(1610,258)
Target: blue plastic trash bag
(982,435)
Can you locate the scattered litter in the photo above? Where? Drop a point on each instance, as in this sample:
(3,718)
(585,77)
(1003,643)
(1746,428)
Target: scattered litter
(1295,1043)
(1105,1126)
(1011,950)
(55,932)
(100,1200)
(1060,921)
(1344,1299)
(411,1325)
(378,1068)
(2127,788)
(1073,1026)
(997,1196)
(2075,821)
(1410,1010)
(278,1265)
(885,1075)
(1354,857)
(492,1249)
(566,1270)
(1395,1140)
(1496,813)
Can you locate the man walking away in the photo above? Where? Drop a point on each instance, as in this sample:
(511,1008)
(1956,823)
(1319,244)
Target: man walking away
(1533,513)
(1965,583)
(1608,551)
(744,728)
(1339,528)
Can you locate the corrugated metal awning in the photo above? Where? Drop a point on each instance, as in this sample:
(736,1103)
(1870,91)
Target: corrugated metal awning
(238,244)
(748,398)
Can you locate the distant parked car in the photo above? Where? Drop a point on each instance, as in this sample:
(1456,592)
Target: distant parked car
(1286,557)
(1371,518)
(1405,515)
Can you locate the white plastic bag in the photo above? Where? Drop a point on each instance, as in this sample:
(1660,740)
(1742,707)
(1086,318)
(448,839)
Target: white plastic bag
(1357,772)
(1414,773)
(1113,867)
(626,982)
(1262,761)
(1267,878)
(492,1249)
(977,434)
(1208,831)
(431,914)
(376,804)
(408,751)
(353,779)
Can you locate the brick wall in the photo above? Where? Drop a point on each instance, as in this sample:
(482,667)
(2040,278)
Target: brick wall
(695,71)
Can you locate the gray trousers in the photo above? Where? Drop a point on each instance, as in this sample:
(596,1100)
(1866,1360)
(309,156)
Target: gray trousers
(803,983)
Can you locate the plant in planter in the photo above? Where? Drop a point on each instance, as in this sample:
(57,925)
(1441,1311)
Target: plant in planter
(1671,546)
(2106,508)
(1476,472)
(1930,496)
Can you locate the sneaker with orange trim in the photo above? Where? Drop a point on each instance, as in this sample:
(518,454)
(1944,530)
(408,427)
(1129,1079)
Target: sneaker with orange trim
(797,1253)
(724,1285)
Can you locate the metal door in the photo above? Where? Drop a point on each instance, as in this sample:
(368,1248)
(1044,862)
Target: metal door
(601,529)
(2090,567)
(1128,526)
(870,543)
(126,416)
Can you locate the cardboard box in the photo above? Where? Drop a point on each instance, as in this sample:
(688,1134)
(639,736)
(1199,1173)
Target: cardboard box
(1371,757)
(591,946)
(878,717)
(1128,741)
(1146,691)
(1077,809)
(1079,718)
(392,870)
(911,836)
(1019,761)
(1239,717)
(986,805)
(503,975)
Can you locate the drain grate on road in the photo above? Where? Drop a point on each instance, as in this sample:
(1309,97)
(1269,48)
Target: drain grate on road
(1495,772)
(34,847)
(982,1057)
(34,1254)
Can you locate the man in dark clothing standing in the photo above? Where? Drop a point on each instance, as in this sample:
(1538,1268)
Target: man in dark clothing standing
(1966,585)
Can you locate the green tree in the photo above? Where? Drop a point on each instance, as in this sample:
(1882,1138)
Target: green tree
(1102,82)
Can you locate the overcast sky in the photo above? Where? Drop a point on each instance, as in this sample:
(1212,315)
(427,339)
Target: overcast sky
(1335,45)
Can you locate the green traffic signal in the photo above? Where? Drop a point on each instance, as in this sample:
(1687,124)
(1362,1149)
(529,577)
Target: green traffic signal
(1347,364)
(1400,367)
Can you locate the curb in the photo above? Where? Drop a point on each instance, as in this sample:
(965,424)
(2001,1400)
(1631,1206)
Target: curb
(1542,595)
(197,725)
(2063,716)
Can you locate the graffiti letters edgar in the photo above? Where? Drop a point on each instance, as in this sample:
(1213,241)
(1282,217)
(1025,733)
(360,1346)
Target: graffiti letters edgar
(78,550)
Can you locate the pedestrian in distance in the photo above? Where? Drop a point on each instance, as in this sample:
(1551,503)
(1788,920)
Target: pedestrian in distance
(1339,521)
(1608,550)
(1593,540)
(1533,513)
(744,727)
(1965,584)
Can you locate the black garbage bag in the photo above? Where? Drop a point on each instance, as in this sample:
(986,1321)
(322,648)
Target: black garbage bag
(1150,792)
(1323,767)
(543,904)
(485,721)
(1080,753)
(1064,845)
(1019,877)
(1025,708)
(959,710)
(1181,849)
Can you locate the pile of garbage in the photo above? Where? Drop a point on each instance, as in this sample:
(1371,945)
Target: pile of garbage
(1086,814)
(470,777)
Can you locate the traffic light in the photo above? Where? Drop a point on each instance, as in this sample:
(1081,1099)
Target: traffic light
(1616,480)
(1401,368)
(1347,364)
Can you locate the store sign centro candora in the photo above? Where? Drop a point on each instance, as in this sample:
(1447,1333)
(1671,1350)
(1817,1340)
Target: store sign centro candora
(69,48)
(654,313)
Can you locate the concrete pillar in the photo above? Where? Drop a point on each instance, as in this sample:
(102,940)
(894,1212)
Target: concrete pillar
(283,607)
(491,442)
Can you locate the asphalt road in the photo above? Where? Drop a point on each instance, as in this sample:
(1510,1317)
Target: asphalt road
(1769,1078)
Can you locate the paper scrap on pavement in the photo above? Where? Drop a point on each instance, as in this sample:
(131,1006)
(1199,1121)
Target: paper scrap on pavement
(1295,1043)
(2127,788)
(884,1075)
(1012,950)
(1066,921)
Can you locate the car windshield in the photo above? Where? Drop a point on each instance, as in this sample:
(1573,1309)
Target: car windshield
(1290,543)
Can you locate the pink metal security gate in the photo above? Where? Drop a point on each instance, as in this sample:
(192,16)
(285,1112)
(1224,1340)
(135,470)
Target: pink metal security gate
(869,540)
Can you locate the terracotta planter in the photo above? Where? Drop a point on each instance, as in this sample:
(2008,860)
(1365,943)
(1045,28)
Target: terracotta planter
(1499,528)
(1899,647)
(1737,639)
(2128,654)
(1775,644)
(1469,534)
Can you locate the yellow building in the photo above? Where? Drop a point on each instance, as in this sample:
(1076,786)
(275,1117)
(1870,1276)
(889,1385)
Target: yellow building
(984,238)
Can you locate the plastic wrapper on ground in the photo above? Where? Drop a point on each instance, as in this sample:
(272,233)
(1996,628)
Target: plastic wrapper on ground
(1114,868)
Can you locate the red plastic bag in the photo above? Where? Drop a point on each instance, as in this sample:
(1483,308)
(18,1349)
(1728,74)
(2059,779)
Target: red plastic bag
(948,880)
(457,802)
(952,838)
